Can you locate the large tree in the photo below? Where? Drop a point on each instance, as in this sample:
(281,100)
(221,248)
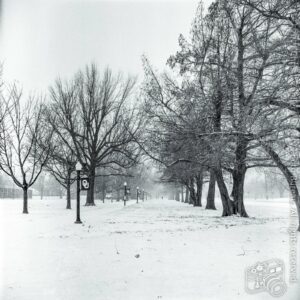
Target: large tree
(97,111)
(22,132)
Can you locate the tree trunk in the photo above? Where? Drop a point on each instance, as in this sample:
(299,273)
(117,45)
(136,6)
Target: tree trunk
(266,188)
(177,194)
(288,176)
(192,199)
(239,170)
(182,193)
(103,192)
(199,183)
(25,200)
(68,194)
(238,177)
(210,202)
(226,202)
(90,197)
(280,190)
(42,191)
(118,195)
(42,185)
(187,194)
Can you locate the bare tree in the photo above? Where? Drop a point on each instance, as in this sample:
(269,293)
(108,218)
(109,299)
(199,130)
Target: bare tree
(22,132)
(232,54)
(61,165)
(237,91)
(95,111)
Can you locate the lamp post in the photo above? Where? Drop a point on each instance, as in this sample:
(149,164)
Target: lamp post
(137,194)
(78,169)
(125,192)
(143,195)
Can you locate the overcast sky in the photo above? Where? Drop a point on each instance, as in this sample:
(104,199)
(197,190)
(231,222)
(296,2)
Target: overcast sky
(43,39)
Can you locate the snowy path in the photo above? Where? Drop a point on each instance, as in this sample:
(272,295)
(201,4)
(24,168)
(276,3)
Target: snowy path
(152,250)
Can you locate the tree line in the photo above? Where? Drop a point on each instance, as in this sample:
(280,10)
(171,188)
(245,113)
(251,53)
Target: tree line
(92,118)
(229,100)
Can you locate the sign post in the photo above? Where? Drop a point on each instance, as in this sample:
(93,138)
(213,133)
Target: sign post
(78,169)
(85,183)
(125,192)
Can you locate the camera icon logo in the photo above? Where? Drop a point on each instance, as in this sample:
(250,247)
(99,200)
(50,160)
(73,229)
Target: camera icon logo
(267,276)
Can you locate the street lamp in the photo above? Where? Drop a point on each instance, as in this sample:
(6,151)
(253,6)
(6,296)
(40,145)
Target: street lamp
(78,169)
(125,192)
(143,195)
(137,194)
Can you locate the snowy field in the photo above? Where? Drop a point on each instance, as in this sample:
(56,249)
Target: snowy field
(159,249)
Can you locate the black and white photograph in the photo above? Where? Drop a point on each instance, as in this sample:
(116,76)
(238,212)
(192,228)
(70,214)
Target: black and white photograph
(149,149)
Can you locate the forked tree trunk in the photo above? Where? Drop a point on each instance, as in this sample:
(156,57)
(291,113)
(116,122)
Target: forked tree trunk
(241,146)
(288,176)
(226,202)
(199,183)
(210,202)
(25,200)
(90,197)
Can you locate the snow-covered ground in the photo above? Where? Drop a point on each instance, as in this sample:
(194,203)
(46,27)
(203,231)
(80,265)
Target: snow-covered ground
(158,249)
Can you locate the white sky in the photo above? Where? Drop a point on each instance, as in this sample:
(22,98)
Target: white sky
(43,39)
